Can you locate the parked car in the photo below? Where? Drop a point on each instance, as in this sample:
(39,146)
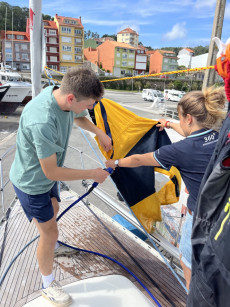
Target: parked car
(173,95)
(150,95)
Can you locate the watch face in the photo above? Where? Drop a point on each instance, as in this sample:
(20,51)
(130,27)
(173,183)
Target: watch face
(116,162)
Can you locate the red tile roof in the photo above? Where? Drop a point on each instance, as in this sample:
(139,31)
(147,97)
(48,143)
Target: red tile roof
(61,19)
(26,38)
(127,30)
(190,50)
(51,24)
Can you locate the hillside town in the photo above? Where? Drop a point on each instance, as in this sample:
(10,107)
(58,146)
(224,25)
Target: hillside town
(66,47)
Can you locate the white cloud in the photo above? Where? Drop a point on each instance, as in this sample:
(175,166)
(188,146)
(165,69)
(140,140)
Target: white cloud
(178,31)
(204,3)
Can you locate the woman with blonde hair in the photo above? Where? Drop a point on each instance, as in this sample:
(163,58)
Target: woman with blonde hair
(201,115)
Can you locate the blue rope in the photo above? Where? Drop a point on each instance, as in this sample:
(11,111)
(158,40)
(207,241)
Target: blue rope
(119,263)
(102,255)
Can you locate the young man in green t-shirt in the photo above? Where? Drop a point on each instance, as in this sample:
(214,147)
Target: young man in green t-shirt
(42,140)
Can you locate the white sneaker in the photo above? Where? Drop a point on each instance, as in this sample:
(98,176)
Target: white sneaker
(56,295)
(63,250)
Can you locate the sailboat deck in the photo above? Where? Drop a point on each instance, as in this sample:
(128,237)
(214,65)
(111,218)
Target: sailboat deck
(81,229)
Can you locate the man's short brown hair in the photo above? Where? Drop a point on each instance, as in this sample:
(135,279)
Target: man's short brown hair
(82,83)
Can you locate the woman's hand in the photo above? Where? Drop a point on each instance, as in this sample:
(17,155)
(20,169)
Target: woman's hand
(162,123)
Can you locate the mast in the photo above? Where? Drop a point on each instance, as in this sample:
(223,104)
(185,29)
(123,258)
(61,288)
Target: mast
(12,61)
(36,30)
(5,37)
(209,77)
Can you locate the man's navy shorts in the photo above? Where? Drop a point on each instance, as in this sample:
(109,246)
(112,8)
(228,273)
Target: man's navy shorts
(38,206)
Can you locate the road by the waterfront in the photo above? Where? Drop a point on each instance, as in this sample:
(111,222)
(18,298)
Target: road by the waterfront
(9,125)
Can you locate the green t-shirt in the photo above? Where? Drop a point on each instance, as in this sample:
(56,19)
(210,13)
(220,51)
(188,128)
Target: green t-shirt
(44,129)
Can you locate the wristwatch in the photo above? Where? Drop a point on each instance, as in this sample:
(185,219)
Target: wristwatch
(116,163)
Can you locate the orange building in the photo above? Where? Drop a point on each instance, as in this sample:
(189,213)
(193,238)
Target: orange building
(162,61)
(114,57)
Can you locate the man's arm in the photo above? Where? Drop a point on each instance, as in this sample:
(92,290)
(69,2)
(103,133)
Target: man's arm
(134,161)
(55,173)
(103,138)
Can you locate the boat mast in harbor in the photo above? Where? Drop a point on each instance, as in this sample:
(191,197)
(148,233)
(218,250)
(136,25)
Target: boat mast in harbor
(209,77)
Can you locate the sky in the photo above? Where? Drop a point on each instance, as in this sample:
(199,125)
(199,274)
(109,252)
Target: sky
(159,23)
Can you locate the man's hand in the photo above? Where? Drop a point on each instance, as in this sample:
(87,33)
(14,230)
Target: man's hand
(99,175)
(110,163)
(104,140)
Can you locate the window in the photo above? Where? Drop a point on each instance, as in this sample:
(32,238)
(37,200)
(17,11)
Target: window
(17,55)
(25,66)
(16,47)
(131,63)
(52,40)
(66,48)
(77,50)
(131,56)
(8,45)
(63,69)
(78,58)
(53,67)
(65,39)
(53,49)
(25,56)
(10,36)
(67,57)
(118,62)
(124,50)
(52,32)
(77,41)
(20,36)
(66,30)
(53,59)
(124,55)
(166,60)
(118,55)
(77,31)
(122,72)
(118,49)
(124,63)
(9,55)
(24,46)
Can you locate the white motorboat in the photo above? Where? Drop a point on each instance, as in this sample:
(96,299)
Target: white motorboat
(13,91)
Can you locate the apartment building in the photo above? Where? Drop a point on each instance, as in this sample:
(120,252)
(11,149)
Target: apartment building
(185,57)
(116,58)
(52,44)
(141,59)
(128,36)
(162,61)
(16,50)
(71,41)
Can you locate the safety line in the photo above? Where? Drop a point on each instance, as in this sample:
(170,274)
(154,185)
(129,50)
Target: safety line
(139,77)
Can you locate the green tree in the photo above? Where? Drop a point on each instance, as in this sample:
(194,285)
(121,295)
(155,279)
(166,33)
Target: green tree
(171,85)
(178,85)
(147,85)
(137,85)
(195,86)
